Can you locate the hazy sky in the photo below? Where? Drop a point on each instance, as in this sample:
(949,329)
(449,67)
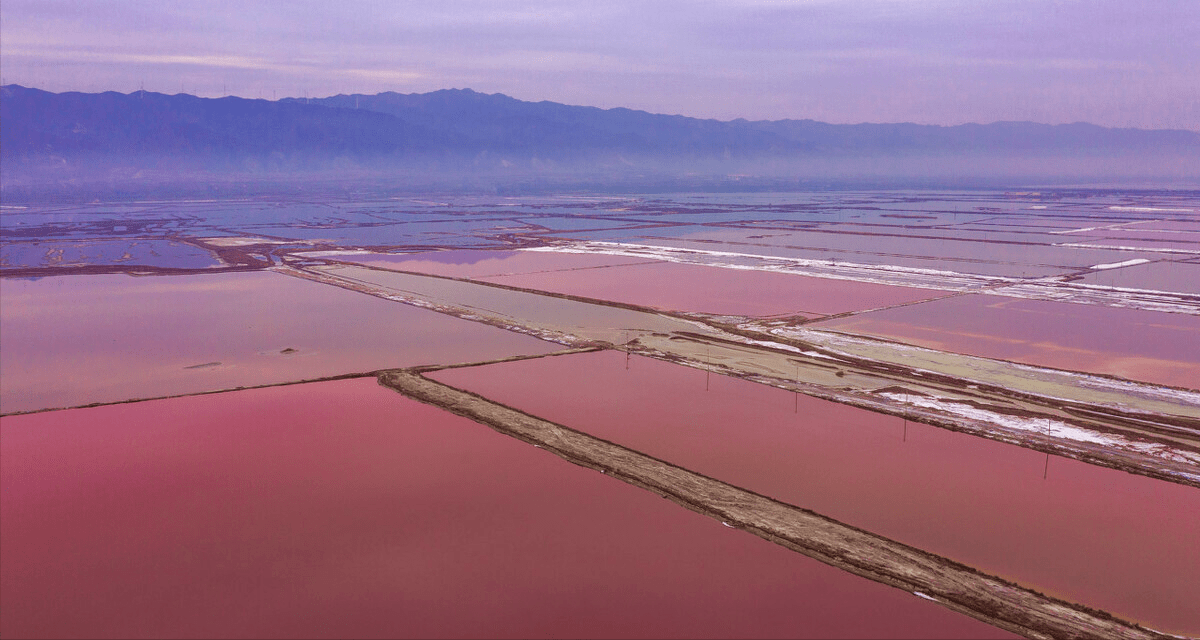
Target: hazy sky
(1111,62)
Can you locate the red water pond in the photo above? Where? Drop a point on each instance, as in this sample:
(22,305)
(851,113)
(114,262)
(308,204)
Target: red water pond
(343,509)
(71,340)
(473,263)
(1119,542)
(686,287)
(1141,345)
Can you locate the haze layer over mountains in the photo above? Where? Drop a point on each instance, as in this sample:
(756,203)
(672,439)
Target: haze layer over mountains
(52,138)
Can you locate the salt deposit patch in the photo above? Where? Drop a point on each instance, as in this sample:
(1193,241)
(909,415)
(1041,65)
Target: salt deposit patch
(1127,263)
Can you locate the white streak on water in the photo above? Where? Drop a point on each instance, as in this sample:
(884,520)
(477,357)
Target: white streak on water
(1120,208)
(1050,289)
(1127,263)
(1116,247)
(836,270)
(1053,428)
(335,253)
(845,343)
(779,346)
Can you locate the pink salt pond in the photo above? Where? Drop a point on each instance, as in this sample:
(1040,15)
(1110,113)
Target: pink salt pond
(1149,346)
(474,263)
(72,340)
(717,290)
(1107,539)
(343,509)
(1161,275)
(656,284)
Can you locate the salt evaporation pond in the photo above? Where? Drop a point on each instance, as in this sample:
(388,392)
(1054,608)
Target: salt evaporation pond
(1104,538)
(717,290)
(978,256)
(472,263)
(1148,346)
(72,340)
(653,283)
(1164,275)
(342,509)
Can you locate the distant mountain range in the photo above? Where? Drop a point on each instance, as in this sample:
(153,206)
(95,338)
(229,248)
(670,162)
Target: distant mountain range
(48,136)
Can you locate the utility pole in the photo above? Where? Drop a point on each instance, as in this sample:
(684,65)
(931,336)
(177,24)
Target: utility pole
(1046,470)
(707,371)
(796,393)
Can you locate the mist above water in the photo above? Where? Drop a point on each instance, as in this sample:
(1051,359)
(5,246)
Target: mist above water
(463,141)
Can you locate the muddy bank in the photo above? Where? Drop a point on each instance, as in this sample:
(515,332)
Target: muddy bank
(1121,424)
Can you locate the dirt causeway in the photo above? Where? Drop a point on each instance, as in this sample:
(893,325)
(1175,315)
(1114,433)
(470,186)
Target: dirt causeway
(958,587)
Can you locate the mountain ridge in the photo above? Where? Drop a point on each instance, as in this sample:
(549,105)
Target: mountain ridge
(462,130)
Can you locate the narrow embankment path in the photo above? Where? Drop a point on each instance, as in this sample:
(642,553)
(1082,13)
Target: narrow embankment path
(956,586)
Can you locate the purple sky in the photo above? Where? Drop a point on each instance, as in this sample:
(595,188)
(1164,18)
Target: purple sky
(1111,62)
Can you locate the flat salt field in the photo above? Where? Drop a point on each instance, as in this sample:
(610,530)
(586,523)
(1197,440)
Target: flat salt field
(1144,234)
(979,263)
(73,340)
(966,256)
(716,290)
(1147,346)
(1043,523)
(1186,224)
(131,252)
(592,321)
(471,263)
(1181,277)
(342,509)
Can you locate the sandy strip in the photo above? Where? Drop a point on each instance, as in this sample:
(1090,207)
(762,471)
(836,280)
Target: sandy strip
(807,366)
(953,585)
(343,376)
